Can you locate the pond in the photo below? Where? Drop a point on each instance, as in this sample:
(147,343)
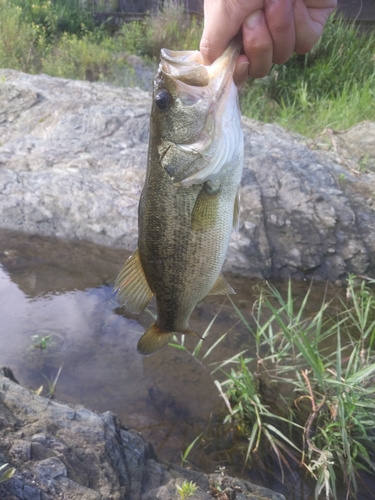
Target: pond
(58,310)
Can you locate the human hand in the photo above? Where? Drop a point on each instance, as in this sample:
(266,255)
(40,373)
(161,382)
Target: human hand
(272,30)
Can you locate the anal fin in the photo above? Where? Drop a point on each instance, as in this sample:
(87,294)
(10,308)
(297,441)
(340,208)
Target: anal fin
(133,291)
(221,287)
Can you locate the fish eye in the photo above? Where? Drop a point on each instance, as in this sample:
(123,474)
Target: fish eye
(163,99)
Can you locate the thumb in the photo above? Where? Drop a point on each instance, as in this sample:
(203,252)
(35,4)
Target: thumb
(222,21)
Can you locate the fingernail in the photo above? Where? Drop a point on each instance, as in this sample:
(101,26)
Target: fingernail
(242,68)
(254,19)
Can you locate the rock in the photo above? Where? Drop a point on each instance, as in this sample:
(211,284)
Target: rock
(60,451)
(72,162)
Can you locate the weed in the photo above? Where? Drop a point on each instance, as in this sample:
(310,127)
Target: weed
(169,26)
(330,87)
(51,384)
(41,342)
(55,17)
(186,453)
(19,41)
(173,28)
(327,398)
(5,476)
(363,163)
(187,489)
(307,393)
(82,57)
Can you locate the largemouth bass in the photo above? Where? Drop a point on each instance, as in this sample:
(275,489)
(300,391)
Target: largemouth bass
(189,203)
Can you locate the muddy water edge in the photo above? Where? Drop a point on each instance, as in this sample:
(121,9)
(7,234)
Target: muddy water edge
(58,310)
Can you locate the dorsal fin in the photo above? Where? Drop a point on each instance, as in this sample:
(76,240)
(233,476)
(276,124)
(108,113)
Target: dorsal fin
(133,291)
(221,287)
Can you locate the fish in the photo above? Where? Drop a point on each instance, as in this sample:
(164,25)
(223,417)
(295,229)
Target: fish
(190,199)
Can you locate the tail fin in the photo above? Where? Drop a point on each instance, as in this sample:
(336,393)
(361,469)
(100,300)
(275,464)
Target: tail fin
(156,338)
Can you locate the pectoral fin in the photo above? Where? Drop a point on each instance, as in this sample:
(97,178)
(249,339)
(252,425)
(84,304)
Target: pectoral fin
(221,287)
(181,162)
(133,291)
(206,208)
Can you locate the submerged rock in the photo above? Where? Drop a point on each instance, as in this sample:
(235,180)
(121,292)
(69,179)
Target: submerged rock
(73,156)
(60,451)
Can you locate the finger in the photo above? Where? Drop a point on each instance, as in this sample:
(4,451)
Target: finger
(258,44)
(309,24)
(222,22)
(241,71)
(280,20)
(320,15)
(321,4)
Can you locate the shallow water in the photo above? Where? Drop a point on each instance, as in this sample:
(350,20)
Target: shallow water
(60,293)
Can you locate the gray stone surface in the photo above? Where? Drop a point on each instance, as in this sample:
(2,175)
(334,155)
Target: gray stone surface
(73,157)
(71,453)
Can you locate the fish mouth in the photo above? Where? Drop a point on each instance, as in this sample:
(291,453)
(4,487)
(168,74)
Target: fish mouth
(209,93)
(187,67)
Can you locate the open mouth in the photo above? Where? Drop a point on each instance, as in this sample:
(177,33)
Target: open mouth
(188,67)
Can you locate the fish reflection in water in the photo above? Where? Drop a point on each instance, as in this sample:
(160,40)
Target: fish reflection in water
(189,203)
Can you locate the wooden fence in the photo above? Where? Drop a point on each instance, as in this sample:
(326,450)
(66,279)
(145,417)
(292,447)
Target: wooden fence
(117,12)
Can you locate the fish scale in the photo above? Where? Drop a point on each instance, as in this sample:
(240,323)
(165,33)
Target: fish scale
(189,202)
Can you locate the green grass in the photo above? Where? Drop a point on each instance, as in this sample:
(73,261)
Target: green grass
(8,474)
(331,87)
(59,38)
(186,490)
(307,392)
(54,17)
(20,42)
(325,394)
(169,27)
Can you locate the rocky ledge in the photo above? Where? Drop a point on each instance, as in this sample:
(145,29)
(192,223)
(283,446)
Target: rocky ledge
(71,453)
(72,162)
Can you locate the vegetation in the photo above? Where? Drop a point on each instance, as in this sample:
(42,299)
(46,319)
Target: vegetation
(41,342)
(60,38)
(5,476)
(322,410)
(187,489)
(168,27)
(307,395)
(51,384)
(331,87)
(185,454)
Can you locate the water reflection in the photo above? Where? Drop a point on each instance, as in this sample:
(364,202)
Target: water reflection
(61,291)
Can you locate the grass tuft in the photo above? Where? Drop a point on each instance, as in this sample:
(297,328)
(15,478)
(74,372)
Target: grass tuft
(168,27)
(326,397)
(333,86)
(306,395)
(186,490)
(8,474)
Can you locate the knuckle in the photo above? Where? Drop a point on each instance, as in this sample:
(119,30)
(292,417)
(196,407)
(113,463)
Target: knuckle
(260,47)
(258,72)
